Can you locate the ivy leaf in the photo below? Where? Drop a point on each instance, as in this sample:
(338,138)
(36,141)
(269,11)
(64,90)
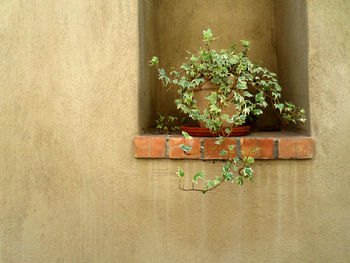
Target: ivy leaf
(276,95)
(247,94)
(248,171)
(257,112)
(194,59)
(216,80)
(186,135)
(259,96)
(250,159)
(245,43)
(185,66)
(162,76)
(198,175)
(153,61)
(198,81)
(231,147)
(242,86)
(228,130)
(219,141)
(239,180)
(223,153)
(212,97)
(180,172)
(214,108)
(277,87)
(172,118)
(224,117)
(186,148)
(255,149)
(207,34)
(279,106)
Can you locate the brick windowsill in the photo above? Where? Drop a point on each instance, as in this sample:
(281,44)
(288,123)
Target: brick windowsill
(273,145)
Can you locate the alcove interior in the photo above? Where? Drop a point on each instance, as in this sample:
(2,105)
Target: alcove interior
(277,31)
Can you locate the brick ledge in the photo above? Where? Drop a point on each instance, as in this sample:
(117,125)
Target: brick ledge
(274,145)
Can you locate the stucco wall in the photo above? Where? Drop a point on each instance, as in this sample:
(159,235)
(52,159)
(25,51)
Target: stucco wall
(71,191)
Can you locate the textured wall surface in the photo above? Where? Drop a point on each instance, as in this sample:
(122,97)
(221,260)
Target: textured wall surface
(71,190)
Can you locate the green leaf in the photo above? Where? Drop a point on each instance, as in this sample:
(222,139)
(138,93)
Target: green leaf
(231,147)
(207,34)
(248,171)
(216,80)
(250,159)
(257,112)
(223,153)
(194,59)
(198,81)
(239,180)
(153,61)
(180,172)
(276,95)
(210,184)
(242,86)
(259,96)
(228,130)
(279,106)
(247,94)
(163,76)
(212,97)
(245,43)
(172,118)
(255,149)
(214,108)
(186,148)
(198,175)
(219,141)
(224,117)
(186,135)
(278,87)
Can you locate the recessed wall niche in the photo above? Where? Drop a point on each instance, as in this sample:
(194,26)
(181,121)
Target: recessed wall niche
(277,30)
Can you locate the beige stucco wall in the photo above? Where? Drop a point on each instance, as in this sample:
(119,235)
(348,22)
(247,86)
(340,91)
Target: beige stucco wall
(71,191)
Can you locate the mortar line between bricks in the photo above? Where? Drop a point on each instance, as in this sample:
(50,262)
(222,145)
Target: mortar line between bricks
(202,149)
(167,147)
(238,147)
(275,149)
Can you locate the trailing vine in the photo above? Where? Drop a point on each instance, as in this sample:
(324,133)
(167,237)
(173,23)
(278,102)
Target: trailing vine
(246,86)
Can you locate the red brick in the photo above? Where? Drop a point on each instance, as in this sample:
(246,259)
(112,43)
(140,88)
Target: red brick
(304,148)
(212,150)
(286,148)
(175,152)
(157,147)
(141,147)
(266,146)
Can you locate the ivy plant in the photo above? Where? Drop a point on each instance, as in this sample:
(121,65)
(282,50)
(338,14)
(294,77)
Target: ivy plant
(246,86)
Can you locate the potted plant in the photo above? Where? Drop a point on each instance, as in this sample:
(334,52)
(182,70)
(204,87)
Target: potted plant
(223,90)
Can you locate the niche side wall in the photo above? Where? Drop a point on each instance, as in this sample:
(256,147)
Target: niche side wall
(292,53)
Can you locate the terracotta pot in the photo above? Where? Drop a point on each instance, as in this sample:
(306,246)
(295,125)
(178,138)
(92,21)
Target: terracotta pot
(202,103)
